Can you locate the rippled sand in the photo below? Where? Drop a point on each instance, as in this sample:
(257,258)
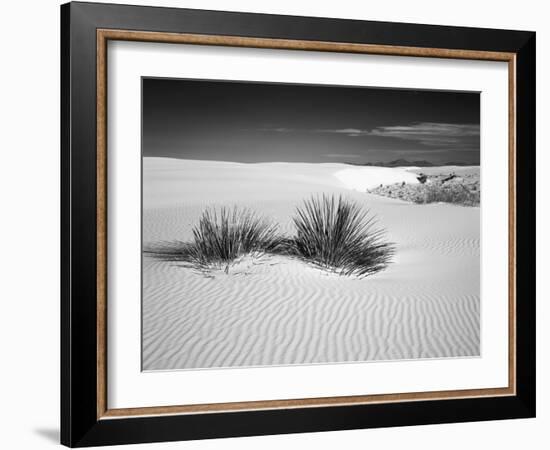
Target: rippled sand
(280,311)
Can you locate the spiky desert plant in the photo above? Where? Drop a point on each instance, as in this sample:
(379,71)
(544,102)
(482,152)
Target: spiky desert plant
(220,237)
(339,235)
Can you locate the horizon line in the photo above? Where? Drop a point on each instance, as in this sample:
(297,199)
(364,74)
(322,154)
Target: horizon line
(372,163)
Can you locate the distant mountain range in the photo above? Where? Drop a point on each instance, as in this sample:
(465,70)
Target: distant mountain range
(407,163)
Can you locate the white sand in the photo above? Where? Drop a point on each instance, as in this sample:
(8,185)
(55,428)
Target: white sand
(278,311)
(364,178)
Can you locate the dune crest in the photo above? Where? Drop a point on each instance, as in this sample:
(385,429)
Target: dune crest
(363,178)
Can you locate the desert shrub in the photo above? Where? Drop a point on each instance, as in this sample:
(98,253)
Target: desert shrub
(339,235)
(455,193)
(220,237)
(452,193)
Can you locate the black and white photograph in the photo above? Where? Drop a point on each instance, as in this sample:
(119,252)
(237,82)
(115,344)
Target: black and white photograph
(275,225)
(288,224)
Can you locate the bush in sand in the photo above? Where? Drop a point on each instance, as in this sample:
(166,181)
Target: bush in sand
(454,193)
(338,235)
(439,189)
(220,238)
(332,233)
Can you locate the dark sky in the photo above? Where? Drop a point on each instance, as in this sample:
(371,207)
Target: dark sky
(261,122)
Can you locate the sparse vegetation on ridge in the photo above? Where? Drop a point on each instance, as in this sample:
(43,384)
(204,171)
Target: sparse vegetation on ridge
(458,190)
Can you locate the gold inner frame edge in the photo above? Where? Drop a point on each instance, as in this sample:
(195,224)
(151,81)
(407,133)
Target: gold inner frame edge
(103,36)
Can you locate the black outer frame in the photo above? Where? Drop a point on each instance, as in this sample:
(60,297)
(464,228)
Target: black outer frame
(79,424)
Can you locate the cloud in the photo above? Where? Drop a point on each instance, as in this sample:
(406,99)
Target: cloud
(349,131)
(431,134)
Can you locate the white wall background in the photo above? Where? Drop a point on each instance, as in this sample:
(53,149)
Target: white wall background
(29,224)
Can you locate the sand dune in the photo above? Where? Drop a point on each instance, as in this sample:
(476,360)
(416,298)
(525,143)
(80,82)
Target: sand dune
(364,178)
(279,311)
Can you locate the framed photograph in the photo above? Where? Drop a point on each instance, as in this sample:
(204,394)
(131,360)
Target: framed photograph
(276,224)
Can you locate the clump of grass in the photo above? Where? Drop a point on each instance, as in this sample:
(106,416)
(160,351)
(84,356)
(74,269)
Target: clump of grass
(331,232)
(338,235)
(220,238)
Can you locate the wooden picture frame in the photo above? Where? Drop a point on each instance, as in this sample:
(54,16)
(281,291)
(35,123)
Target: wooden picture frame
(86,418)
